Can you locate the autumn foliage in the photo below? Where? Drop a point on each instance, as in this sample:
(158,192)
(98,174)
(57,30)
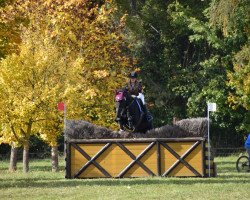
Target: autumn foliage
(69,51)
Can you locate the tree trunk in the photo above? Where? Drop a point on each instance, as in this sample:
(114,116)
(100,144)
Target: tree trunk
(54,159)
(13,159)
(26,157)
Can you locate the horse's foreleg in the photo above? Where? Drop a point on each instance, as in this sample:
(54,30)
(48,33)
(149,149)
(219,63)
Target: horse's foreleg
(121,125)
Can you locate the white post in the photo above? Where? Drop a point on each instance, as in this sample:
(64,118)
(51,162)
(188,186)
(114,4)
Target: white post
(208,140)
(210,107)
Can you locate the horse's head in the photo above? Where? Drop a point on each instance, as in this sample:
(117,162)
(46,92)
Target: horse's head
(119,95)
(120,100)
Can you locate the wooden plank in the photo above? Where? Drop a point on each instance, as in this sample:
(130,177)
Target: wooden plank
(150,160)
(92,172)
(114,160)
(158,158)
(203,159)
(136,171)
(131,140)
(91,149)
(136,159)
(135,148)
(181,159)
(181,170)
(91,160)
(68,161)
(77,160)
(194,159)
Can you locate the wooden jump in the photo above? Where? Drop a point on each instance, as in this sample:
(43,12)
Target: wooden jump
(119,158)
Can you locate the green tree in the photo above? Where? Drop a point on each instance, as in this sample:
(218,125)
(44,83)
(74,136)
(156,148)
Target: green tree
(234,22)
(164,54)
(187,58)
(216,52)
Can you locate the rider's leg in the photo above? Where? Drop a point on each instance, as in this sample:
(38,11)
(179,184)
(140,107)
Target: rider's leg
(148,114)
(141,96)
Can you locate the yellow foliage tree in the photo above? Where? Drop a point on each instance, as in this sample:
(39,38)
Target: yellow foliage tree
(239,80)
(71,51)
(96,44)
(93,38)
(31,84)
(9,35)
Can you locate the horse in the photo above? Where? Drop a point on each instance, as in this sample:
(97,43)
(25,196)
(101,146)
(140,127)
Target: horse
(130,113)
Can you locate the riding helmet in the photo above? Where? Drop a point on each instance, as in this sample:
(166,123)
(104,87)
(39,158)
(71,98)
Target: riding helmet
(133,75)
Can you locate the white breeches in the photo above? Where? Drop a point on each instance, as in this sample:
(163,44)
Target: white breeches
(141,96)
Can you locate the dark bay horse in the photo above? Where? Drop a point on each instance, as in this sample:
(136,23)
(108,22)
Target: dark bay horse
(130,113)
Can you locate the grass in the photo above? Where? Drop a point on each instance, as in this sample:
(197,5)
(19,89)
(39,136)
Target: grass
(40,183)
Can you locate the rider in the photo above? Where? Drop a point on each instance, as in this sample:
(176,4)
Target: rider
(134,86)
(135,89)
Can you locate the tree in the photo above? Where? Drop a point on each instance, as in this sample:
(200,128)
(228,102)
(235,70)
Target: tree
(91,36)
(218,45)
(71,52)
(31,85)
(187,58)
(9,34)
(164,54)
(50,130)
(233,20)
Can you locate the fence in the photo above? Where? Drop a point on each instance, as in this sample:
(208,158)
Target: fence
(94,158)
(218,152)
(223,152)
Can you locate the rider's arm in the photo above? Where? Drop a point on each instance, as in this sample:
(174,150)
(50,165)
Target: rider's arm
(125,87)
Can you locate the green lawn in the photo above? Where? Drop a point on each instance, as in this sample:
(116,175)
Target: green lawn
(40,183)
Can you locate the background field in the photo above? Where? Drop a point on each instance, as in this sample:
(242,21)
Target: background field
(40,183)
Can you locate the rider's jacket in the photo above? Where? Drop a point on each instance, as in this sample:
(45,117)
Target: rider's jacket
(134,88)
(247,143)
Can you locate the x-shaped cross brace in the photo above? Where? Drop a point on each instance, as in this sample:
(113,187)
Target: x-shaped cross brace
(92,160)
(181,158)
(135,159)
